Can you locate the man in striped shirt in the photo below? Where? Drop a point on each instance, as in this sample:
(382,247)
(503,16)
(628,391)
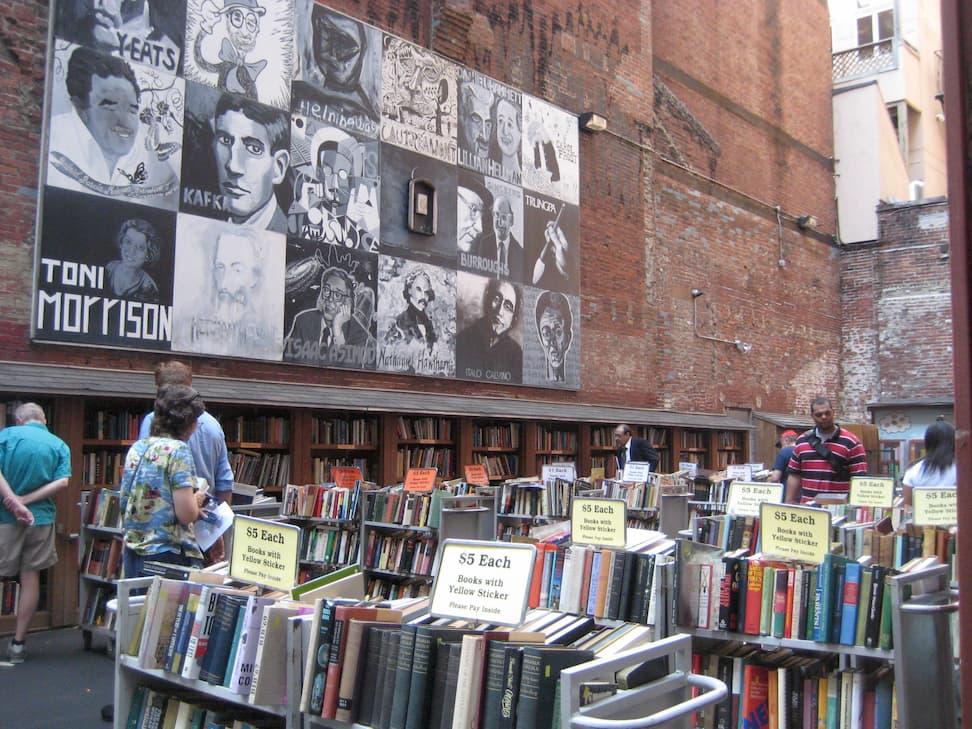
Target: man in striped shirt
(824,458)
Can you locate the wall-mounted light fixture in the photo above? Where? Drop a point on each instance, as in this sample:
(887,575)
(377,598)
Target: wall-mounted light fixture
(744,347)
(591,121)
(806,222)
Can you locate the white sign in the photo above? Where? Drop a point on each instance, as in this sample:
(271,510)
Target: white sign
(486,582)
(565,471)
(745,497)
(755,467)
(741,471)
(692,468)
(636,471)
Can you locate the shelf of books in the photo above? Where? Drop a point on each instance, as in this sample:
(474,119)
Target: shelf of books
(193,652)
(497,445)
(423,442)
(100,563)
(399,540)
(329,517)
(108,434)
(694,447)
(259,448)
(343,440)
(814,639)
(730,448)
(661,441)
(602,450)
(554,443)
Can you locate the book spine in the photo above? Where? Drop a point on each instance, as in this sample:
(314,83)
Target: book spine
(527,703)
(851,595)
(754,593)
(403,678)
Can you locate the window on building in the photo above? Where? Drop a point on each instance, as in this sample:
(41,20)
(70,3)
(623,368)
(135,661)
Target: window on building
(874,33)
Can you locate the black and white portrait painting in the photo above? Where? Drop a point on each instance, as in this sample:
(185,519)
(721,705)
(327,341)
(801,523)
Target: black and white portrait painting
(147,32)
(490,120)
(230,297)
(399,167)
(105,273)
(245,47)
(489,343)
(489,226)
(237,154)
(116,128)
(416,317)
(552,232)
(335,182)
(339,70)
(418,100)
(331,307)
(550,150)
(551,339)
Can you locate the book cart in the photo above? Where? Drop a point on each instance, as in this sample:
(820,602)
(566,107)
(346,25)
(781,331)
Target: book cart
(851,635)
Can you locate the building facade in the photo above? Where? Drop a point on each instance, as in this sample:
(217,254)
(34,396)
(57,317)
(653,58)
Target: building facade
(715,174)
(889,121)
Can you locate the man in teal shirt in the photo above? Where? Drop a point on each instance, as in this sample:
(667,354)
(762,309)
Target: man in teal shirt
(34,465)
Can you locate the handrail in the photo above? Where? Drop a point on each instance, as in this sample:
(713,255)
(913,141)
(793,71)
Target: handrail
(713,690)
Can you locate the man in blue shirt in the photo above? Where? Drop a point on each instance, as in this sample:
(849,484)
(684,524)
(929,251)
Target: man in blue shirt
(34,465)
(781,469)
(208,444)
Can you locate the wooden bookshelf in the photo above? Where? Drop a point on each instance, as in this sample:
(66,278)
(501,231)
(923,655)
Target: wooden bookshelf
(693,447)
(418,442)
(259,444)
(729,448)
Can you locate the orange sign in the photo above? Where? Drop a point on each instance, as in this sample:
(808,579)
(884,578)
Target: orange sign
(476,474)
(420,479)
(345,476)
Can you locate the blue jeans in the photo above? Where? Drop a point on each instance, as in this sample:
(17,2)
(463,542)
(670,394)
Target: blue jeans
(133,561)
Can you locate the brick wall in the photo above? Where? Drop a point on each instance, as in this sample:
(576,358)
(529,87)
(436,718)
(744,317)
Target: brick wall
(638,347)
(898,342)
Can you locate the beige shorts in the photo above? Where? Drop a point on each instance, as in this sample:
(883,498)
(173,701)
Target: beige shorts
(29,548)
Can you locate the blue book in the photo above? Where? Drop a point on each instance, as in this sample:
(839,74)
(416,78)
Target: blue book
(882,702)
(851,598)
(595,574)
(231,661)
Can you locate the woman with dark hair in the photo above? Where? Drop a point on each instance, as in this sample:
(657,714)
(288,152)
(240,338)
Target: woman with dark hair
(158,501)
(937,468)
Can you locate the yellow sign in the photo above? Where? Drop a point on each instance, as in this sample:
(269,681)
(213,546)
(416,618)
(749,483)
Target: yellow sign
(264,552)
(872,491)
(600,522)
(935,507)
(794,532)
(746,496)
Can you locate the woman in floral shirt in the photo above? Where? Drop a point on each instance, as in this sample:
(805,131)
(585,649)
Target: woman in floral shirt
(158,499)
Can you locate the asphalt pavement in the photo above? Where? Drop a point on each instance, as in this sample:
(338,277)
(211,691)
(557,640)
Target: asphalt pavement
(59,686)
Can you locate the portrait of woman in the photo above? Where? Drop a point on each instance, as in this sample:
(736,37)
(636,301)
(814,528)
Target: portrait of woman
(138,247)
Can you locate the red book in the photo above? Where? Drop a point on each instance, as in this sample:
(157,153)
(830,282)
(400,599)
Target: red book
(754,537)
(537,578)
(867,710)
(754,598)
(755,697)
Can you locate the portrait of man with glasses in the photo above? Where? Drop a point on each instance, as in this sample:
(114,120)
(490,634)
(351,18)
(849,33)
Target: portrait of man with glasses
(243,47)
(339,330)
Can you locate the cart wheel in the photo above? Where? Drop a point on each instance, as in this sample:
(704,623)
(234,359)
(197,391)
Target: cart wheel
(86,636)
